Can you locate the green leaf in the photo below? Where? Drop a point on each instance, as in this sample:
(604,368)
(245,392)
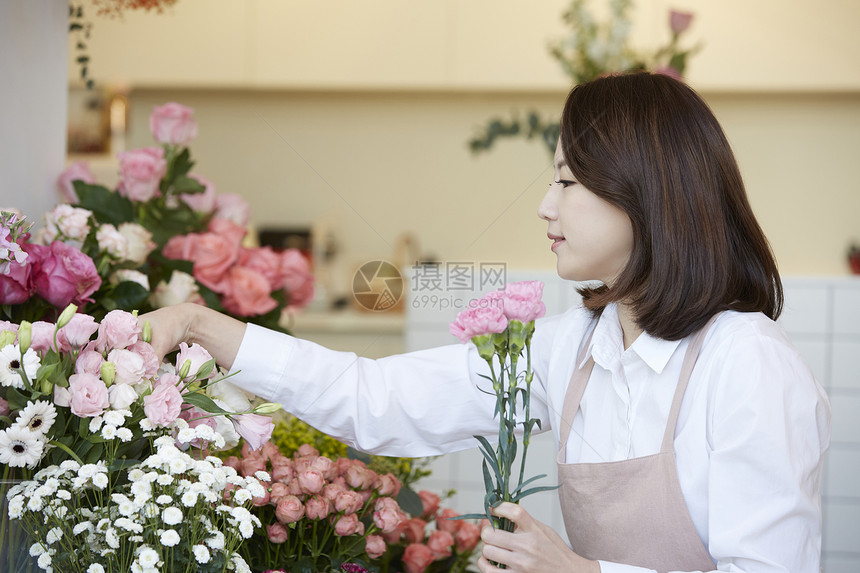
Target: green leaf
(184,184)
(75,26)
(410,502)
(523,494)
(15,398)
(488,479)
(83,59)
(528,481)
(206,369)
(129,295)
(204,402)
(107,206)
(182,164)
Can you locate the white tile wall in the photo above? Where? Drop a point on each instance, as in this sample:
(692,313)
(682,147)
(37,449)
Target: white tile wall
(822,317)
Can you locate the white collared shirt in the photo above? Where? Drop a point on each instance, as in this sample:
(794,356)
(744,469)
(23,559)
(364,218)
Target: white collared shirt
(751,433)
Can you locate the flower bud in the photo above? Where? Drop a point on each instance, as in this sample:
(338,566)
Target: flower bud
(484,344)
(108,372)
(186,368)
(7,337)
(46,387)
(267,408)
(147,332)
(66,315)
(25,333)
(516,336)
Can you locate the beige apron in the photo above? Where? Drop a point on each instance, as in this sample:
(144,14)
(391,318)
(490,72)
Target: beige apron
(630,511)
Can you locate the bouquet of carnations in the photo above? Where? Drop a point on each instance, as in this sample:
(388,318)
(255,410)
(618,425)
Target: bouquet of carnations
(318,513)
(501,325)
(91,404)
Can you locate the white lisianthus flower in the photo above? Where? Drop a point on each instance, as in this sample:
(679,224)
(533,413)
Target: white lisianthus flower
(201,554)
(122,396)
(172,515)
(181,287)
(38,417)
(169,538)
(234,398)
(20,447)
(11,362)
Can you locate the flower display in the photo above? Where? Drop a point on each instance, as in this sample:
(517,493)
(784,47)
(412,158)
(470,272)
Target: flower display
(501,325)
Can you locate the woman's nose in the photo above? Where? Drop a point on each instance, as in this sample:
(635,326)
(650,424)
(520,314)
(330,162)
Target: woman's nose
(547,209)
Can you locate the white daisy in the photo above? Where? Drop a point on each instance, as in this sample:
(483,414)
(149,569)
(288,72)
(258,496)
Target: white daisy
(11,364)
(37,417)
(20,447)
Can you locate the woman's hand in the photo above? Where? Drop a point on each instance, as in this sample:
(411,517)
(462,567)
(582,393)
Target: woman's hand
(533,547)
(218,333)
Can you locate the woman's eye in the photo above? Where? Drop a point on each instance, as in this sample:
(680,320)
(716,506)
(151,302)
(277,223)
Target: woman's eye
(564,182)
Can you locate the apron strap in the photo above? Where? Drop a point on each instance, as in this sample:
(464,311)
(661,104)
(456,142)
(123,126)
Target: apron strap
(576,388)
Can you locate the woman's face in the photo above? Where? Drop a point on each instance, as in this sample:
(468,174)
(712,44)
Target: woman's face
(592,239)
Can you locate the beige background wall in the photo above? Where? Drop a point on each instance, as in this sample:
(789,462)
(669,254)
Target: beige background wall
(360,111)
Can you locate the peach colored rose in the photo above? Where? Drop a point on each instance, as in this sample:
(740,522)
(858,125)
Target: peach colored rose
(247,293)
(467,537)
(307,450)
(265,261)
(374,546)
(277,533)
(77,171)
(417,557)
(317,507)
(414,531)
(282,472)
(298,280)
(213,255)
(173,123)
(88,395)
(348,525)
(429,502)
(389,485)
(330,491)
(278,491)
(359,476)
(233,462)
(227,228)
(251,465)
(260,501)
(445,523)
(440,543)
(141,171)
(201,202)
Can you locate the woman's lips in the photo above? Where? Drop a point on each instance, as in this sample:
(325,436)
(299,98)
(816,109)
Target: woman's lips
(556,243)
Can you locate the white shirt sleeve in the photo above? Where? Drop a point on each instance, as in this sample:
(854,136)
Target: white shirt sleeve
(422,403)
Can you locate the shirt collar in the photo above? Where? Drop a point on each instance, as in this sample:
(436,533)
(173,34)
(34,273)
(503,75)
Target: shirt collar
(607,344)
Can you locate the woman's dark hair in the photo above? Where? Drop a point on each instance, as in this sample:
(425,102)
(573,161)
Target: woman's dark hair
(649,145)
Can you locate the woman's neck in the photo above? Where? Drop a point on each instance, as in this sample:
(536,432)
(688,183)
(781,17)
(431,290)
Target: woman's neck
(629,327)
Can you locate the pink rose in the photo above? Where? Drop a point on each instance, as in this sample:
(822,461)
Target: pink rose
(173,123)
(42,335)
(467,537)
(277,533)
(228,229)
(440,544)
(348,501)
(128,366)
(283,473)
(213,255)
(429,502)
(348,525)
(16,285)
(163,406)
(277,492)
(64,274)
(414,530)
(260,501)
(311,481)
(254,428)
(298,279)
(331,491)
(325,466)
(118,329)
(140,172)
(359,476)
(151,362)
(374,546)
(88,395)
(289,509)
(307,450)
(679,21)
(478,321)
(389,485)
(77,332)
(232,462)
(317,507)
(201,202)
(445,523)
(387,515)
(252,464)
(196,354)
(77,171)
(417,558)
(265,261)
(89,362)
(232,207)
(71,224)
(247,293)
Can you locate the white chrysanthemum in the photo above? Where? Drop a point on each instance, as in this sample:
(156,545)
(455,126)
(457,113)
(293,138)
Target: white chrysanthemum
(239,564)
(129,525)
(153,461)
(211,496)
(146,425)
(242,496)
(263,476)
(81,527)
(111,538)
(169,538)
(37,549)
(44,490)
(20,447)
(124,434)
(201,554)
(256,489)
(35,503)
(87,471)
(44,560)
(206,479)
(127,508)
(178,466)
(16,507)
(150,510)
(216,462)
(114,417)
(141,489)
(60,512)
(246,528)
(11,363)
(54,534)
(171,515)
(108,432)
(150,477)
(95,568)
(163,442)
(38,417)
(165,479)
(148,557)
(70,466)
(100,480)
(163,499)
(216,541)
(205,432)
(135,474)
(189,498)
(185,436)
(135,538)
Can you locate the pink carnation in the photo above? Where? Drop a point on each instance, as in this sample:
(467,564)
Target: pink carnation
(478,321)
(520,301)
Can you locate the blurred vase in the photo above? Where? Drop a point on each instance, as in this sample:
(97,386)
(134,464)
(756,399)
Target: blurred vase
(14,545)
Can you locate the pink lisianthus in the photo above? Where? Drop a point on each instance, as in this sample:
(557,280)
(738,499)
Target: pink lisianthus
(88,395)
(254,428)
(77,332)
(140,174)
(478,321)
(163,406)
(89,362)
(196,354)
(118,329)
(128,365)
(201,202)
(150,358)
(63,274)
(374,546)
(77,171)
(173,123)
(247,292)
(42,335)
(679,21)
(417,558)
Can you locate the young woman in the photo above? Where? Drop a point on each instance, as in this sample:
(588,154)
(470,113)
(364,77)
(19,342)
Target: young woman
(690,432)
